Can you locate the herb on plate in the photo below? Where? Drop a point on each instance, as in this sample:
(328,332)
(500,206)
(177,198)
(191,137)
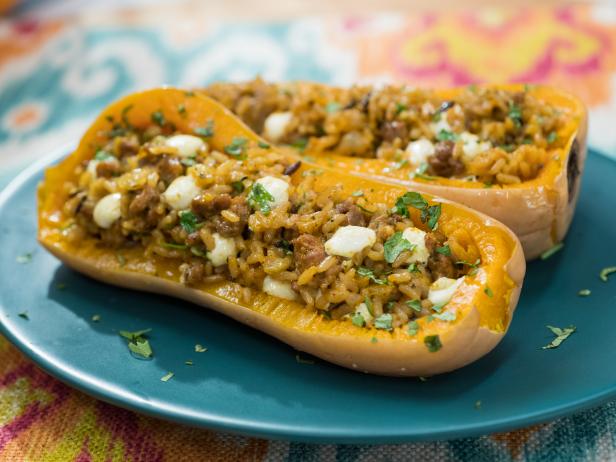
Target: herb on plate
(138,342)
(168,376)
(552,250)
(605,272)
(561,336)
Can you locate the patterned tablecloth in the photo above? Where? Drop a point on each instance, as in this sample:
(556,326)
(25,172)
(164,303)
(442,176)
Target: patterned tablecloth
(58,71)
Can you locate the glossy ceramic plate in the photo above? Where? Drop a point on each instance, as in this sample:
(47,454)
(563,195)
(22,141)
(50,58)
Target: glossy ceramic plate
(250,383)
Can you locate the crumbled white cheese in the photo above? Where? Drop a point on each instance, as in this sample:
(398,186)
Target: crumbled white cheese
(471,146)
(442,124)
(108,210)
(276,124)
(419,151)
(224,247)
(443,289)
(279,189)
(280,289)
(349,240)
(417,237)
(181,192)
(186,145)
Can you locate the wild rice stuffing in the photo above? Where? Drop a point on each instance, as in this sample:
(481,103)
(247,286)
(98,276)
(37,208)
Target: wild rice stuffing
(487,135)
(236,215)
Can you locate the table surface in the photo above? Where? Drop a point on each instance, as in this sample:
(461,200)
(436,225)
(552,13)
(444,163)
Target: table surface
(61,62)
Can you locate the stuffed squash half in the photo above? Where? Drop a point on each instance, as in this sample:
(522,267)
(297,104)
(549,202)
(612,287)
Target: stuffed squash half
(514,152)
(169,192)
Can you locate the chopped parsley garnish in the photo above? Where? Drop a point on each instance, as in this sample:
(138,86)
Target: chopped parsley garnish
(189,161)
(102,155)
(181,109)
(400,107)
(515,114)
(394,246)
(384,321)
(446,316)
(445,250)
(260,199)
(96,318)
(263,145)
(189,362)
(137,342)
(413,328)
(358,320)
(439,307)
(207,131)
(236,148)
(433,343)
(474,266)
(300,144)
(605,272)
(552,250)
(414,305)
(551,137)
(238,186)
(301,360)
(189,222)
(357,193)
(400,164)
(374,340)
(429,213)
(446,135)
(368,273)
(368,303)
(332,107)
(24,315)
(420,172)
(584,293)
(124,114)
(488,292)
(200,348)
(285,246)
(413,268)
(158,118)
(478,404)
(198,251)
(168,376)
(561,336)
(172,245)
(24,258)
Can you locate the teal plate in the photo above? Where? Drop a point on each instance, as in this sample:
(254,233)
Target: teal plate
(252,384)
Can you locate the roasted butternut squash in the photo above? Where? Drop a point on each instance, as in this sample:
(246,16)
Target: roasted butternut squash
(370,132)
(117,244)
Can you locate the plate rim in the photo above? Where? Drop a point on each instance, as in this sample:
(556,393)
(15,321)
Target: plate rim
(104,391)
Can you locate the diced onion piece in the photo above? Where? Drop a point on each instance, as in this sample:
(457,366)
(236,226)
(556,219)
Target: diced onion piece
(181,192)
(471,145)
(443,289)
(276,125)
(224,247)
(186,145)
(417,237)
(279,189)
(108,210)
(349,240)
(419,151)
(280,289)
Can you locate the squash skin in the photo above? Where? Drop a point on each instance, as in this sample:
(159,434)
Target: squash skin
(480,325)
(539,211)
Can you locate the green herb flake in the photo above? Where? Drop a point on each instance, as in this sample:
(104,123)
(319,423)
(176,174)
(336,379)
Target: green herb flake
(400,107)
(121,259)
(285,246)
(260,199)
(422,379)
(200,348)
(189,222)
(238,186)
(394,246)
(433,343)
(263,145)
(560,336)
(358,320)
(414,305)
(188,161)
(124,114)
(448,316)
(357,193)
(198,251)
(332,107)
(168,376)
(189,362)
(413,328)
(369,305)
(515,114)
(429,213)
(551,137)
(552,250)
(445,250)
(439,307)
(134,335)
(488,292)
(174,246)
(300,144)
(474,266)
(446,135)
(102,155)
(400,164)
(24,315)
(96,318)
(605,272)
(24,258)
(137,342)
(207,131)
(384,321)
(181,109)
(237,147)
(374,340)
(368,273)
(413,268)
(158,118)
(584,293)
(301,360)
(478,404)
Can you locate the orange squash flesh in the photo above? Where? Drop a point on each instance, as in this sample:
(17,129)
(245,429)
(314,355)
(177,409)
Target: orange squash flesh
(481,320)
(539,211)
